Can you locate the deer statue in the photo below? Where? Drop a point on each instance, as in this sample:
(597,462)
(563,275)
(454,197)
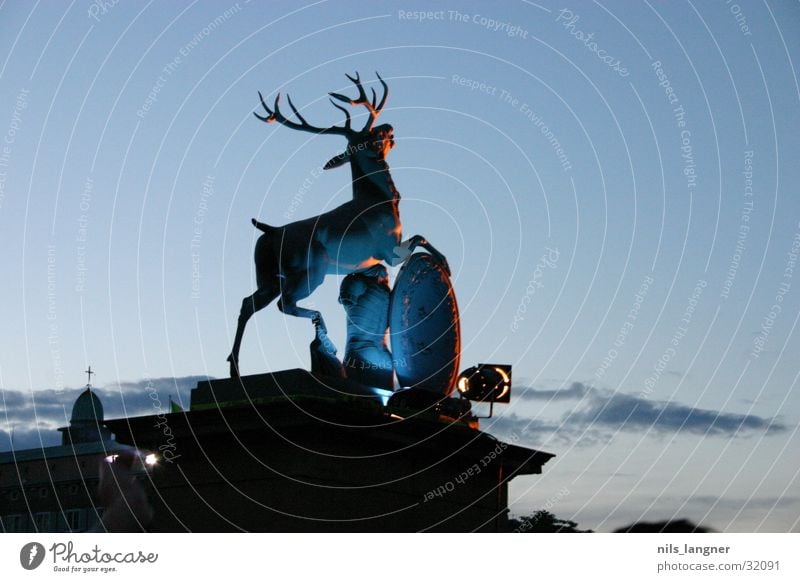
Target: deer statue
(293,260)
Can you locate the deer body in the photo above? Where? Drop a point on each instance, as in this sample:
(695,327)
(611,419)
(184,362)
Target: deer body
(292,260)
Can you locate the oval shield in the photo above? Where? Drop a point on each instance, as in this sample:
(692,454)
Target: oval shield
(424,326)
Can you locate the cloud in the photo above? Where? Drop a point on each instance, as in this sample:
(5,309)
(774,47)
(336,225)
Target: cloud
(629,412)
(600,413)
(511,424)
(47,410)
(575,391)
(737,504)
(540,433)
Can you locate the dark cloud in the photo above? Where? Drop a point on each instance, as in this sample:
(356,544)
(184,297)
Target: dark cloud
(541,434)
(575,391)
(629,412)
(49,409)
(510,424)
(599,413)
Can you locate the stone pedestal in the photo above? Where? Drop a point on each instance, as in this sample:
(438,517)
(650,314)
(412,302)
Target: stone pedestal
(302,458)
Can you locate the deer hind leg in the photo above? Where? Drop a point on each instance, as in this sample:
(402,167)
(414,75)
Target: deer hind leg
(406,248)
(298,286)
(288,305)
(255,302)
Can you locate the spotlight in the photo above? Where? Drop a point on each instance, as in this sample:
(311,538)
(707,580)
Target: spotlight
(486,383)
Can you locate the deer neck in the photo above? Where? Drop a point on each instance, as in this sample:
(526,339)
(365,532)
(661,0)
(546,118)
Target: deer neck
(373,182)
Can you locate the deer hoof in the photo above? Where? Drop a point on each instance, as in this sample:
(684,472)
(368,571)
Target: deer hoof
(319,323)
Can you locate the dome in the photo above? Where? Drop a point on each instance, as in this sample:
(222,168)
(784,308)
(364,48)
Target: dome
(87,408)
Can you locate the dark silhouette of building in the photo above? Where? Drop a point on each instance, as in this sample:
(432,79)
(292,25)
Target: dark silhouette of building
(294,452)
(86,422)
(52,489)
(288,451)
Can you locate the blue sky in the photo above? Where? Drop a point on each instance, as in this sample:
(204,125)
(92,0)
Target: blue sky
(613,184)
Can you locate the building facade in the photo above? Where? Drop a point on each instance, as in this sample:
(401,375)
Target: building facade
(52,489)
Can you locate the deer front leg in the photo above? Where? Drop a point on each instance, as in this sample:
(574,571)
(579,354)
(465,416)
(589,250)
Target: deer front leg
(404,250)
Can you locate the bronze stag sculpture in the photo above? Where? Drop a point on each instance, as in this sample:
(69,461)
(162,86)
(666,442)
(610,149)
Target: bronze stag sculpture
(293,260)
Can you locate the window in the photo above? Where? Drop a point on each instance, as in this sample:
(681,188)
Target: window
(72,520)
(94,515)
(42,521)
(14,523)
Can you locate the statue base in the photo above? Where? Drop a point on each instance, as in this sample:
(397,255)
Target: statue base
(295,384)
(292,452)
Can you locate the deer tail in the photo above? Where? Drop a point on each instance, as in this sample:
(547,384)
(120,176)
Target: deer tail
(265,228)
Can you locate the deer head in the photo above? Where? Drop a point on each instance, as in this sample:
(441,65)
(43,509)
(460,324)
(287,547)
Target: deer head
(369,141)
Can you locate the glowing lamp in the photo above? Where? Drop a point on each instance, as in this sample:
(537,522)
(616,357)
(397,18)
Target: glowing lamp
(486,383)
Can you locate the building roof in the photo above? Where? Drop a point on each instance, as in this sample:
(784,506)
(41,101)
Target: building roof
(308,421)
(78,449)
(87,408)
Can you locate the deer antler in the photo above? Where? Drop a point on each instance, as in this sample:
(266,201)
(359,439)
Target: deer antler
(373,108)
(275,114)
